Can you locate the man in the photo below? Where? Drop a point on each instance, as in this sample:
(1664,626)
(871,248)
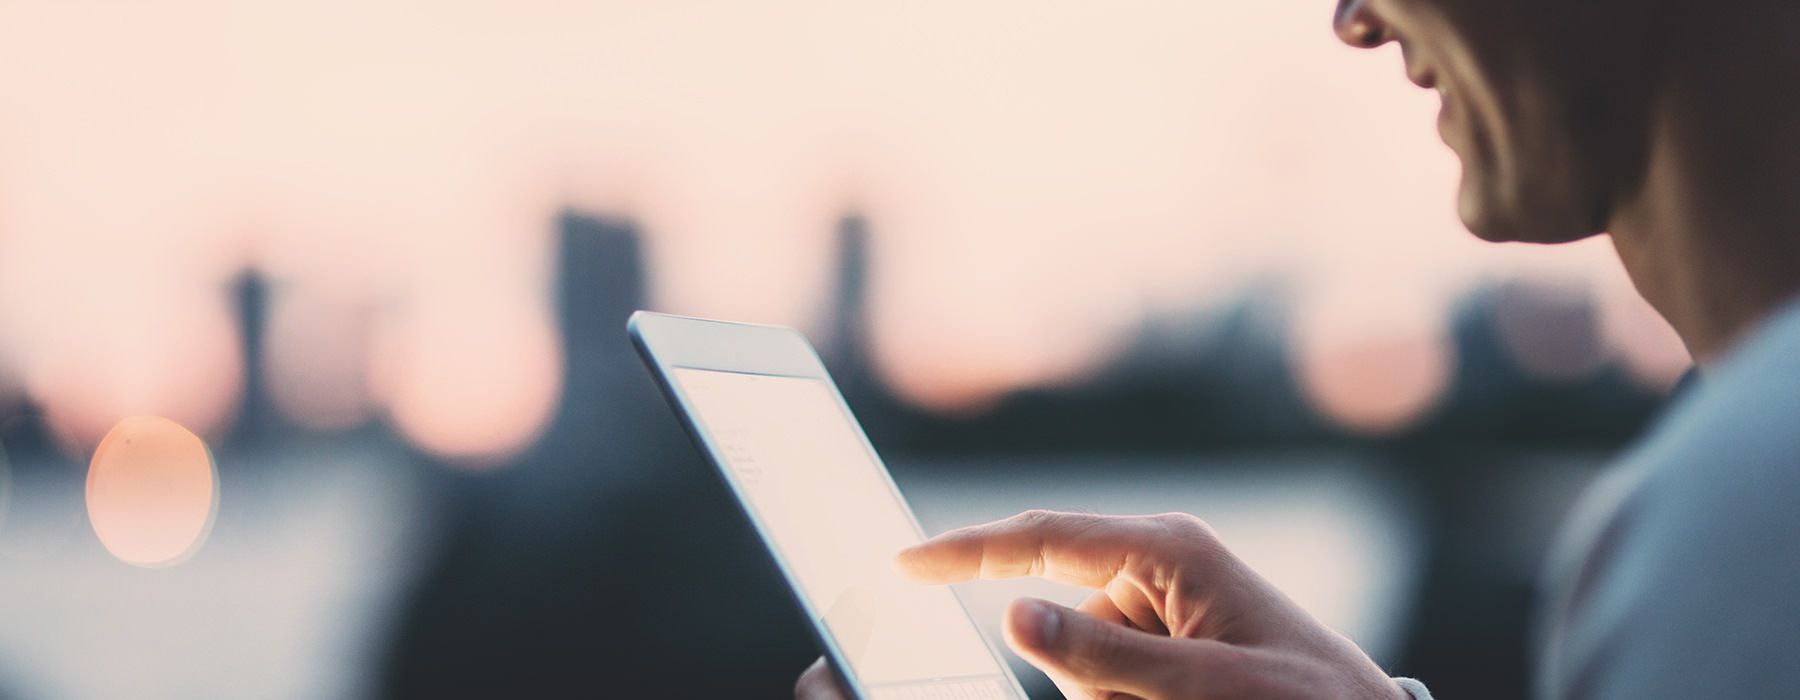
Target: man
(1675,126)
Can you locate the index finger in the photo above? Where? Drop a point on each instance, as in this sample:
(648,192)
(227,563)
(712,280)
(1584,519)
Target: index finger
(1075,548)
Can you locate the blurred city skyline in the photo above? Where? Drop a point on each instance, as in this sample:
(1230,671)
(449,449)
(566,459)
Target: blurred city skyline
(396,549)
(1037,180)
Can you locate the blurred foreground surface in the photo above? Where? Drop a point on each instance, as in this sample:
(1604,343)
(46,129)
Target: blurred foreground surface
(670,597)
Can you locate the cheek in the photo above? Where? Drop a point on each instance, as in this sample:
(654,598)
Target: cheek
(1526,187)
(1521,175)
(1476,131)
(1506,114)
(1535,117)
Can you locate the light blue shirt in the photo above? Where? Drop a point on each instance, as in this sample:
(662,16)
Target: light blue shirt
(1679,574)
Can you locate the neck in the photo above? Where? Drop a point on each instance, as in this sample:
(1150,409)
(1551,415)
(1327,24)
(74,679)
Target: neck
(1712,236)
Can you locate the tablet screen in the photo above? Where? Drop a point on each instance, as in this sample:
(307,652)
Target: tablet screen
(825,503)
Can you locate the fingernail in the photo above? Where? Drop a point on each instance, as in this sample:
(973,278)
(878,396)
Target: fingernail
(1036,622)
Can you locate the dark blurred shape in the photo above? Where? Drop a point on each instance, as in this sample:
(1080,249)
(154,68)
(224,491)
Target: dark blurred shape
(607,561)
(1219,380)
(42,513)
(1497,468)
(845,345)
(255,418)
(1552,333)
(1187,382)
(1495,399)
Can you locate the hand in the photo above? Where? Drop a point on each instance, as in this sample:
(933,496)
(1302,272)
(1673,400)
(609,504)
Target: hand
(1174,614)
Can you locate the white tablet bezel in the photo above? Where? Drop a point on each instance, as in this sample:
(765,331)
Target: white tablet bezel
(669,342)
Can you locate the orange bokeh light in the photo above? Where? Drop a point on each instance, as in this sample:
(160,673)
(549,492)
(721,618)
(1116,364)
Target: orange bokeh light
(152,491)
(1372,368)
(477,387)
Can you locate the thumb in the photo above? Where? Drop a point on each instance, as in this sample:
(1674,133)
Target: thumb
(1107,655)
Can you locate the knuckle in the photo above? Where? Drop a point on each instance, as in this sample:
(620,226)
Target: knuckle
(1035,516)
(1193,538)
(1184,525)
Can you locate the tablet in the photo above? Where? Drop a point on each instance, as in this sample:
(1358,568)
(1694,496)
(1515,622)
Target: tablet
(759,403)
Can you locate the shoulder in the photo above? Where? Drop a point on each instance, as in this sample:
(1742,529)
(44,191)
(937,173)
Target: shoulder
(1689,580)
(1736,439)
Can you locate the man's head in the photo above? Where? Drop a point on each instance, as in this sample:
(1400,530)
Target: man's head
(1545,101)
